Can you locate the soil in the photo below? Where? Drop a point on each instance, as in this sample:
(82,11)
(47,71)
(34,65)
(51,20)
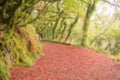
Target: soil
(65,62)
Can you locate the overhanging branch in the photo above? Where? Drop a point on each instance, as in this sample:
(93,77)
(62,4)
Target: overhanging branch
(111,3)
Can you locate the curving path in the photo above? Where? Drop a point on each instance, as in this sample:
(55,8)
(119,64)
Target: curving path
(63,62)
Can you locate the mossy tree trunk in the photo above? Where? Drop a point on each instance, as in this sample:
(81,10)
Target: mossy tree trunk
(90,10)
(71,27)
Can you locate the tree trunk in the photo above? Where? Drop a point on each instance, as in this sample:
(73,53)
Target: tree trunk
(90,10)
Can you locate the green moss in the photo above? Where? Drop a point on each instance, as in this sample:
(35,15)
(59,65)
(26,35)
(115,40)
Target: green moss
(4,71)
(16,50)
(28,61)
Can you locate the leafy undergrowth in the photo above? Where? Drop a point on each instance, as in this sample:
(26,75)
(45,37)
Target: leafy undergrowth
(63,62)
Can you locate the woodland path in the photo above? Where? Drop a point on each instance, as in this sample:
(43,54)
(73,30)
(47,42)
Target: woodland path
(64,62)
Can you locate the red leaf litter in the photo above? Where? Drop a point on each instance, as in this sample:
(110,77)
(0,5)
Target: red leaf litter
(64,62)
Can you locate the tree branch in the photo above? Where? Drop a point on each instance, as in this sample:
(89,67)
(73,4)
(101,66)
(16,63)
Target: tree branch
(111,3)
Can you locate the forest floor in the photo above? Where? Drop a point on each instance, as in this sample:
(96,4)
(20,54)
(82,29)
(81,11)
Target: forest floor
(64,62)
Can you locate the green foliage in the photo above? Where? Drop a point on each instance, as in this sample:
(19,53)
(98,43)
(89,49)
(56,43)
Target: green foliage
(105,39)
(4,72)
